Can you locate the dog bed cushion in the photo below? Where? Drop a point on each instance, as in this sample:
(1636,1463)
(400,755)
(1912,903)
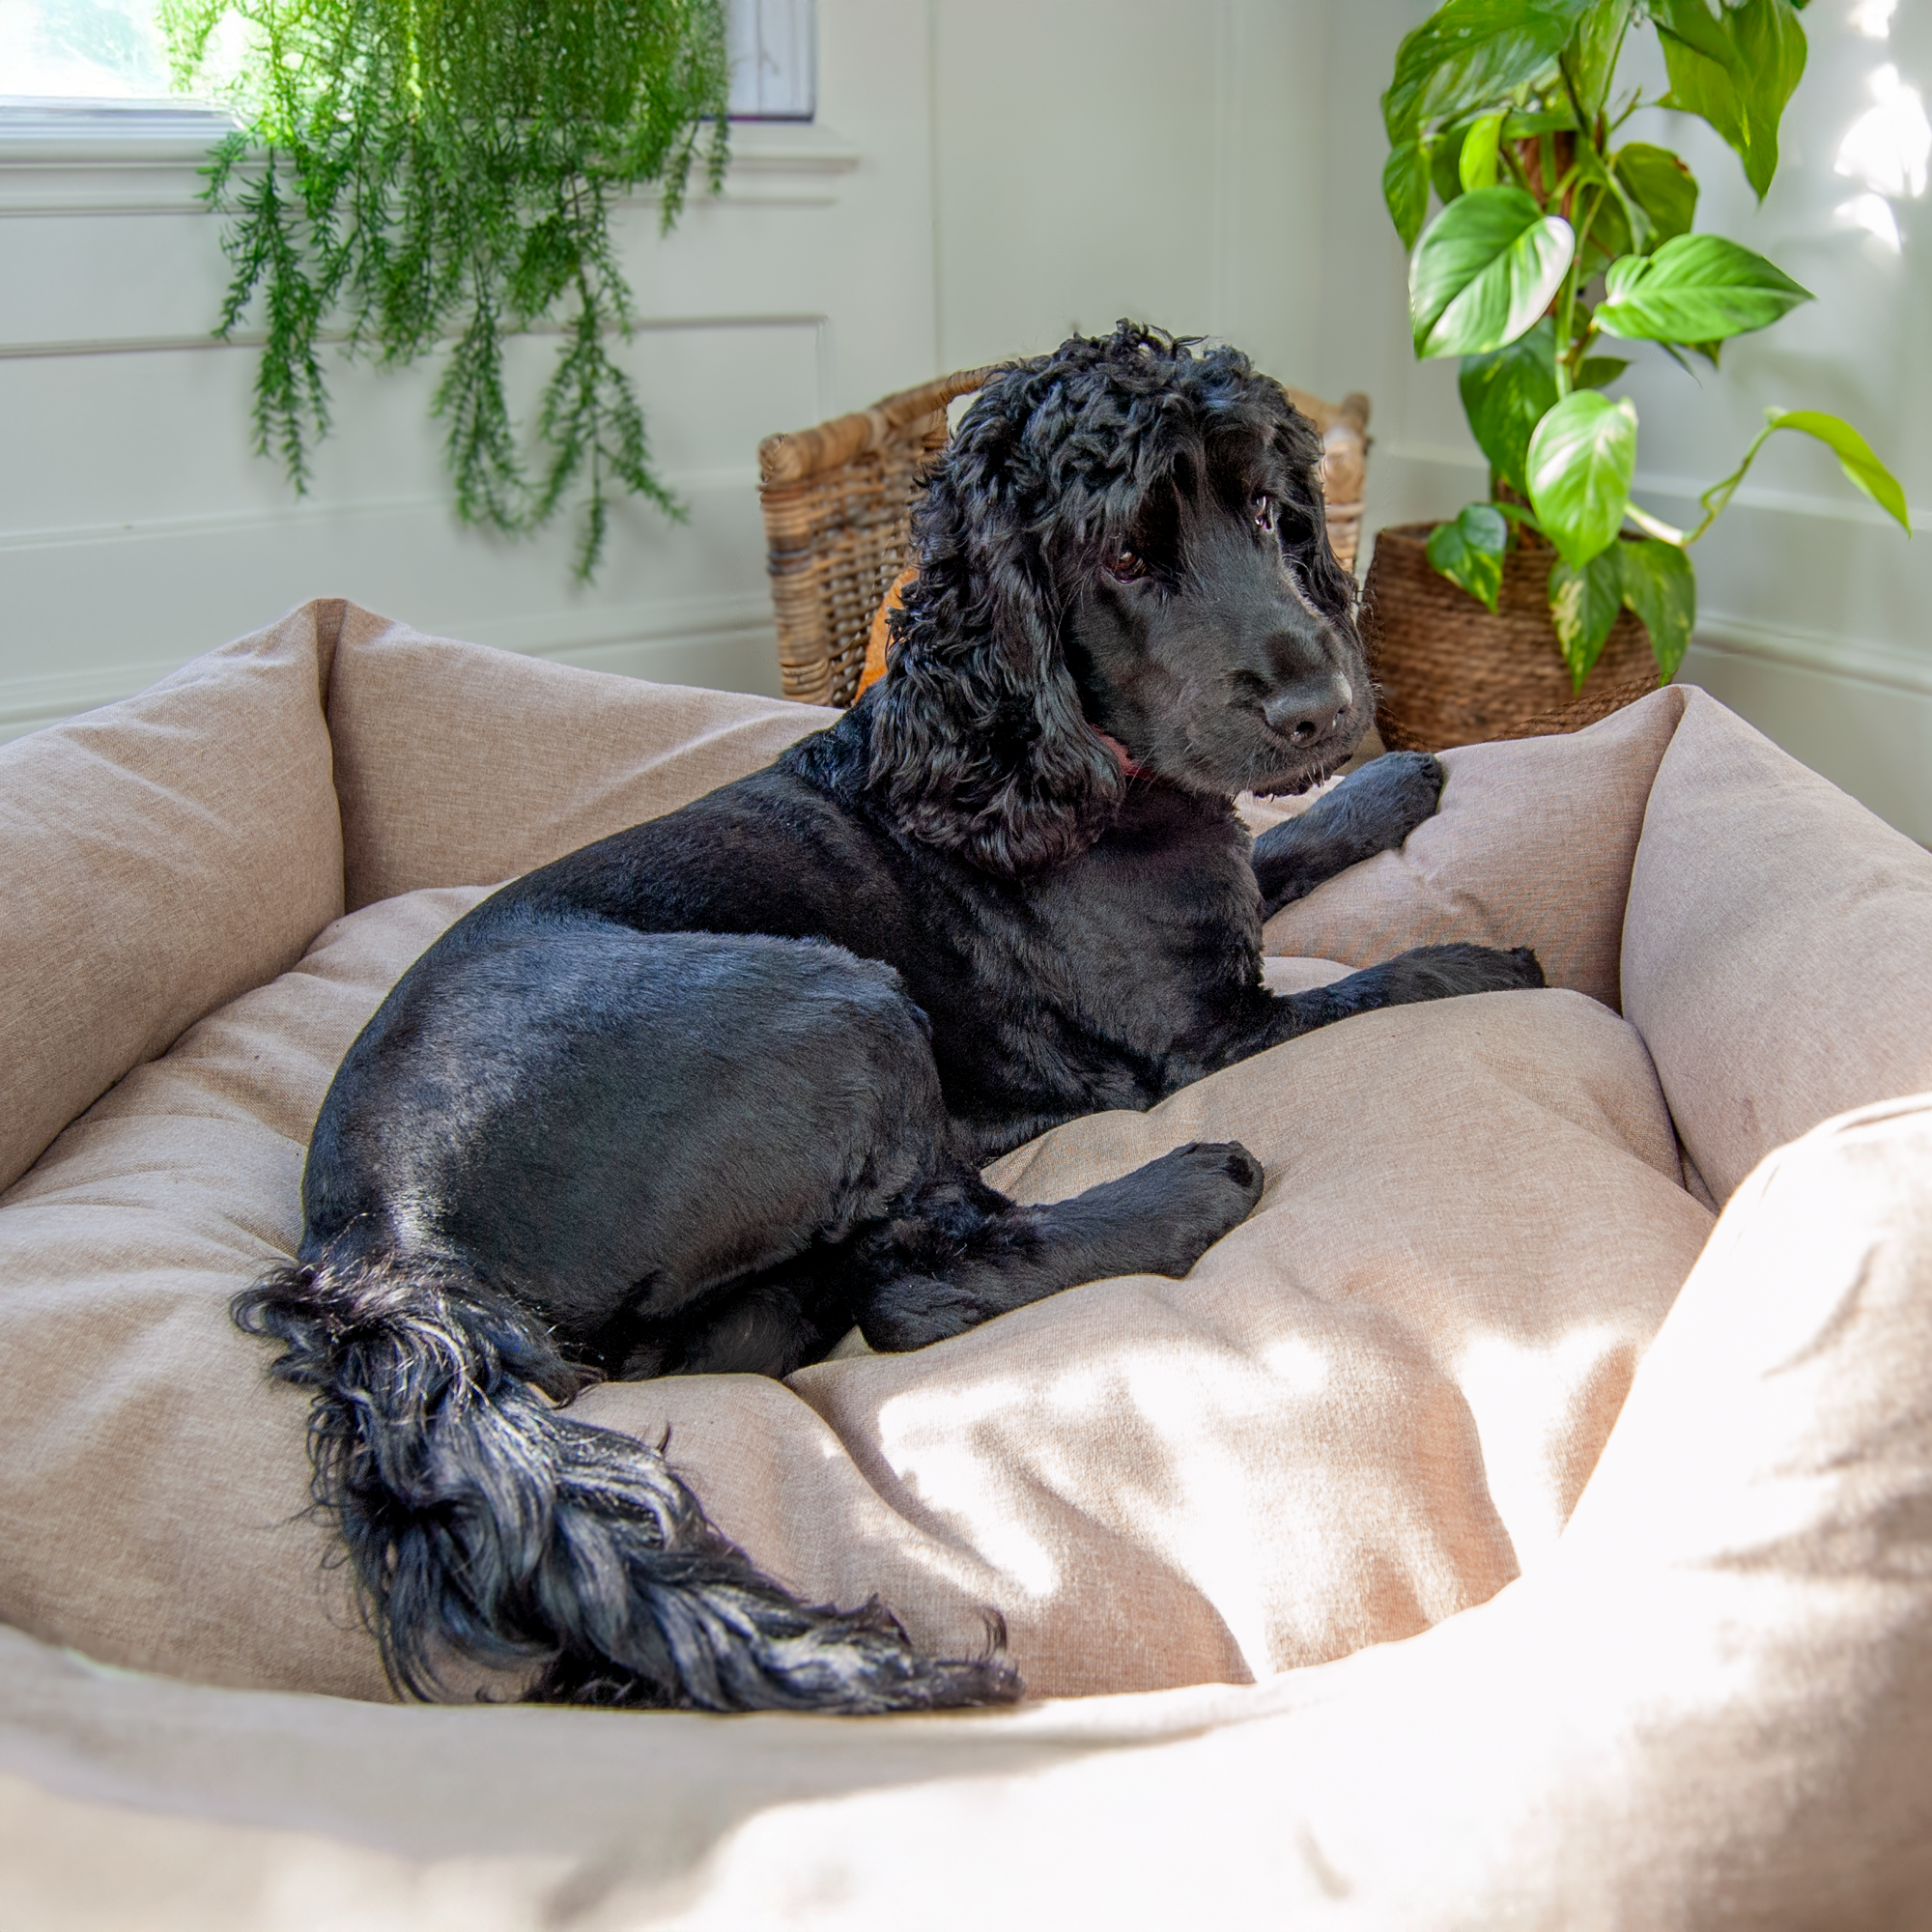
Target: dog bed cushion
(1404,1367)
(1710,1707)
(1776,947)
(157,866)
(150,1481)
(1560,888)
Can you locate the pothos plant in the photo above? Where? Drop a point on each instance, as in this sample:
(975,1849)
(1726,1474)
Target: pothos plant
(1556,235)
(418,176)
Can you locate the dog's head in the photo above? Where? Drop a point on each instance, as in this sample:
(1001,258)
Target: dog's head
(1125,537)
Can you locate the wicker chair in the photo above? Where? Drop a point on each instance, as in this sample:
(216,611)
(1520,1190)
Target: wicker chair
(836,498)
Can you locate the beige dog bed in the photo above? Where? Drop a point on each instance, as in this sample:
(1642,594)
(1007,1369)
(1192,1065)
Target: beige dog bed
(1702,1693)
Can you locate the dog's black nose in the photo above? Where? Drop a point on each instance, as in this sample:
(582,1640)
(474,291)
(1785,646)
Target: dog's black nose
(1303,713)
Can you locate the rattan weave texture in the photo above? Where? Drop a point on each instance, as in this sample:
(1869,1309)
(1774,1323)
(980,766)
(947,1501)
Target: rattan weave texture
(836,498)
(1451,674)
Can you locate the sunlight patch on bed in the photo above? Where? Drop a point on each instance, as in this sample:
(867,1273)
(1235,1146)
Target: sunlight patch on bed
(1524,1399)
(930,1438)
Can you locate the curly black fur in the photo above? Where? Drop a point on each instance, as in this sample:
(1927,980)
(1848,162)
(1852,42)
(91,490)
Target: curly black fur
(981,739)
(704,1096)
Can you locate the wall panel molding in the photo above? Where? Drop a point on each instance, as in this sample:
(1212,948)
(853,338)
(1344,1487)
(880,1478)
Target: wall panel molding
(301,513)
(1861,660)
(152,169)
(253,338)
(1844,507)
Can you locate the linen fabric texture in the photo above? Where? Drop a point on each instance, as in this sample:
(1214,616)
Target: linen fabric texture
(1365,1420)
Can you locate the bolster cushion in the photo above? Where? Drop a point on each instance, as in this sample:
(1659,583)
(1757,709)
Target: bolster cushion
(163,855)
(1778,949)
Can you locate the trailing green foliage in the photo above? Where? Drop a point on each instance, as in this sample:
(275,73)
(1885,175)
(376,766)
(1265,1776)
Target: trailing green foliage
(1552,235)
(425,176)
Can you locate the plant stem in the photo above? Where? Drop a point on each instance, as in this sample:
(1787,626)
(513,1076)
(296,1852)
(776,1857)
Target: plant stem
(1714,499)
(1656,526)
(1569,354)
(1718,496)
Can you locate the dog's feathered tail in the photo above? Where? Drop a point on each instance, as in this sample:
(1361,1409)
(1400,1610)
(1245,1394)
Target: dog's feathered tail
(488,1528)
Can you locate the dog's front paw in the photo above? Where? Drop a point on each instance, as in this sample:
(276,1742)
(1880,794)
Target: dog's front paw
(1373,811)
(1202,1190)
(1396,793)
(1443,971)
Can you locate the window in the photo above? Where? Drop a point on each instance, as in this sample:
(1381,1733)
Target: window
(108,51)
(82,49)
(774,59)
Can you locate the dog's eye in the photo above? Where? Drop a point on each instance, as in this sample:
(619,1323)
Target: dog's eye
(1125,566)
(1262,508)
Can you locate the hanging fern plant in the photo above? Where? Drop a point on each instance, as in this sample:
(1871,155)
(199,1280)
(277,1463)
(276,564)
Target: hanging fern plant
(412,177)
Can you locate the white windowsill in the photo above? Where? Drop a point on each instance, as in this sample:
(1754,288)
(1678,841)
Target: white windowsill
(795,146)
(107,131)
(145,158)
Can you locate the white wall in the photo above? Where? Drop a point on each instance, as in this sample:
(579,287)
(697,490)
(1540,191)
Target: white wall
(1099,159)
(137,528)
(984,175)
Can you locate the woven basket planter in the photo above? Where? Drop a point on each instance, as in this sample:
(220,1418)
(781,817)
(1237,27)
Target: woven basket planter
(1451,674)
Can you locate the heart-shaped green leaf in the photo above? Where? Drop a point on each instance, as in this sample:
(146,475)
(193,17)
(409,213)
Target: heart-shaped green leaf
(1660,584)
(1692,24)
(1659,184)
(1405,189)
(1697,288)
(1550,120)
(1471,53)
(1582,459)
(1469,552)
(1483,271)
(1444,150)
(1506,393)
(1855,458)
(1584,606)
(1598,370)
(1736,68)
(1769,39)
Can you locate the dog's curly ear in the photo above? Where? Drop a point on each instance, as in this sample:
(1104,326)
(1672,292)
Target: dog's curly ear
(979,744)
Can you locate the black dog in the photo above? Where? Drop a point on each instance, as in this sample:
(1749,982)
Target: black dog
(706,1093)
